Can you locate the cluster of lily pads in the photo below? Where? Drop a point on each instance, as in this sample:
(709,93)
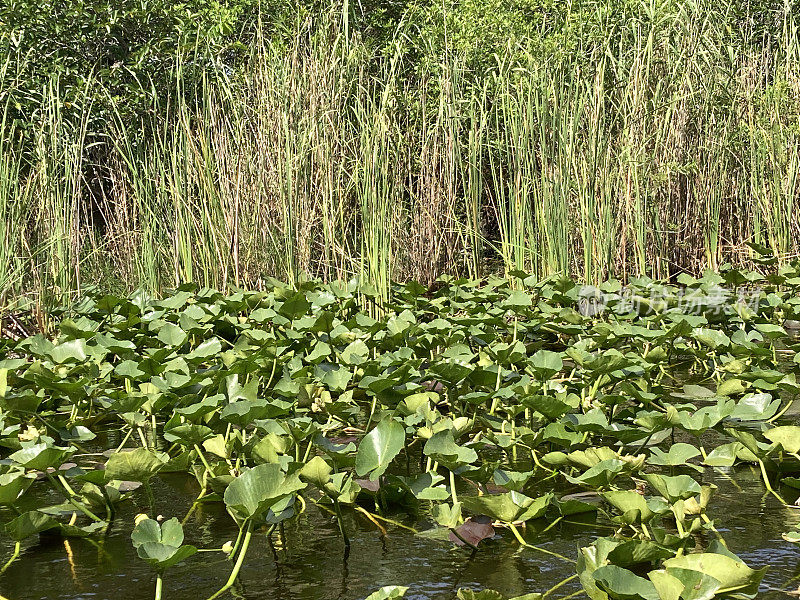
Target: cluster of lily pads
(490,404)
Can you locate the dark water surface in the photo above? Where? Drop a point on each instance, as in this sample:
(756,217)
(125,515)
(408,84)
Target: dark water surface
(308,563)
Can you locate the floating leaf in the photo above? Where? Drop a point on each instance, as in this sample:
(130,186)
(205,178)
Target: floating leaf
(41,456)
(732,573)
(28,524)
(388,593)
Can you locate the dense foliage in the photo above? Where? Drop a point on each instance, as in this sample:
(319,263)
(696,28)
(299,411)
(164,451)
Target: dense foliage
(479,405)
(393,141)
(346,146)
(109,55)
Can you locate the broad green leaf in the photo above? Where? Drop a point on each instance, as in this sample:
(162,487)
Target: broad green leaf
(624,585)
(205,350)
(74,351)
(254,491)
(678,454)
(510,507)
(28,524)
(13,485)
(317,472)
(171,335)
(134,465)
(379,447)
(388,592)
(546,363)
(41,456)
(788,436)
(672,488)
(733,574)
(442,447)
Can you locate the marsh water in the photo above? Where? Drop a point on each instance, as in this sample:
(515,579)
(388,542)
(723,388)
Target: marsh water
(307,562)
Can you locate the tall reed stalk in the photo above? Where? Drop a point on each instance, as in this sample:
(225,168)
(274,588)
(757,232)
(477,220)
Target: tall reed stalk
(654,142)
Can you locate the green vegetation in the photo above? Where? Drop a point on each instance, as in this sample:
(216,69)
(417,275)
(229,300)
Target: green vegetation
(228,142)
(332,258)
(476,407)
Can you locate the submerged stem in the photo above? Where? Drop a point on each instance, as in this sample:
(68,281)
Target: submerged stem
(193,506)
(71,500)
(338,509)
(559,584)
(203,458)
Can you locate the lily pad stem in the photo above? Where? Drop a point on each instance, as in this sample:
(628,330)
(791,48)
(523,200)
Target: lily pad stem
(780,413)
(553,524)
(239,561)
(272,372)
(768,484)
(237,543)
(340,522)
(72,501)
(573,595)
(142,437)
(151,500)
(158,587)
(536,461)
(308,451)
(395,523)
(372,518)
(646,532)
(371,413)
(13,557)
(559,584)
(710,523)
(66,485)
(194,506)
(203,458)
(522,542)
(124,440)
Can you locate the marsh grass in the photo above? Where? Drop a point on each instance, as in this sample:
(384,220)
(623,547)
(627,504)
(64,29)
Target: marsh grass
(654,142)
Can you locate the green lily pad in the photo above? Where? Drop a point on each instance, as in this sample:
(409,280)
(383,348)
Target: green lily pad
(41,456)
(379,447)
(788,436)
(732,573)
(510,507)
(28,524)
(134,465)
(621,584)
(388,592)
(254,491)
(161,545)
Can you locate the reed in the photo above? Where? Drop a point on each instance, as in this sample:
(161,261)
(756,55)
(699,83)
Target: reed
(655,142)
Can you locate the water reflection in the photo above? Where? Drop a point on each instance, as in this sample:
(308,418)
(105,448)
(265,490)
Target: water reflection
(308,562)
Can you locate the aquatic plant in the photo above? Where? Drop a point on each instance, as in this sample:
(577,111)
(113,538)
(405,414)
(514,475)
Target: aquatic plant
(498,409)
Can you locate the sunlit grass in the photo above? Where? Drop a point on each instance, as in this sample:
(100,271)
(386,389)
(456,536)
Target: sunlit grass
(651,147)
